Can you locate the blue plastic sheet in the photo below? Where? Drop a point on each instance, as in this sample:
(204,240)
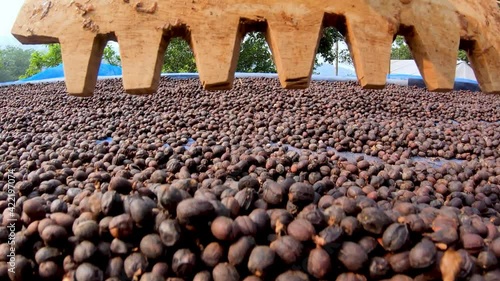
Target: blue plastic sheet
(460,84)
(108,140)
(58,72)
(434,162)
(109,71)
(189,143)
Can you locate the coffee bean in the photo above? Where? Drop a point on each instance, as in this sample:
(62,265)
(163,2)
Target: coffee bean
(395,237)
(224,228)
(352,256)
(151,246)
(301,229)
(279,165)
(423,254)
(183,262)
(212,254)
(287,248)
(319,263)
(261,260)
(240,250)
(225,271)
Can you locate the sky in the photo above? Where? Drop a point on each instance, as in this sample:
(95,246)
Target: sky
(8,14)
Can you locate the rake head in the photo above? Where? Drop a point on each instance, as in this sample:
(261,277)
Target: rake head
(434,30)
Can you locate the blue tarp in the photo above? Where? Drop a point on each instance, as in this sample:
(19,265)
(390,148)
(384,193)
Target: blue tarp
(459,84)
(418,81)
(58,72)
(109,71)
(407,76)
(329,70)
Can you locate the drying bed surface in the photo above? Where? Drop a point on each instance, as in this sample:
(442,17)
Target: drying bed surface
(255,183)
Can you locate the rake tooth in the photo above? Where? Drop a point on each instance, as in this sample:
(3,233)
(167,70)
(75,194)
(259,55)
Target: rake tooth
(369,42)
(485,60)
(479,30)
(436,63)
(435,53)
(486,65)
(216,46)
(82,59)
(294,44)
(141,54)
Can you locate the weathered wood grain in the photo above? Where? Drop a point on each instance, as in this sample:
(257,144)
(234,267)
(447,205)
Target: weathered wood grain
(434,29)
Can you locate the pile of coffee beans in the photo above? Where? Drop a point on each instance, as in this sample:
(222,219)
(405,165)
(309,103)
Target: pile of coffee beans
(256,183)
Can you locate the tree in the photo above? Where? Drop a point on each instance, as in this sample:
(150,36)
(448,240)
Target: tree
(4,75)
(111,57)
(326,46)
(41,60)
(179,57)
(13,62)
(255,55)
(401,51)
(462,55)
(345,56)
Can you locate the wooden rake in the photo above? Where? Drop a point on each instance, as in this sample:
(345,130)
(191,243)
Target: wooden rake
(434,30)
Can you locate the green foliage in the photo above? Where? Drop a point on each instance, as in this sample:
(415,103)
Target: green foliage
(111,57)
(42,60)
(179,58)
(400,50)
(326,48)
(13,62)
(4,74)
(462,55)
(255,55)
(345,56)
